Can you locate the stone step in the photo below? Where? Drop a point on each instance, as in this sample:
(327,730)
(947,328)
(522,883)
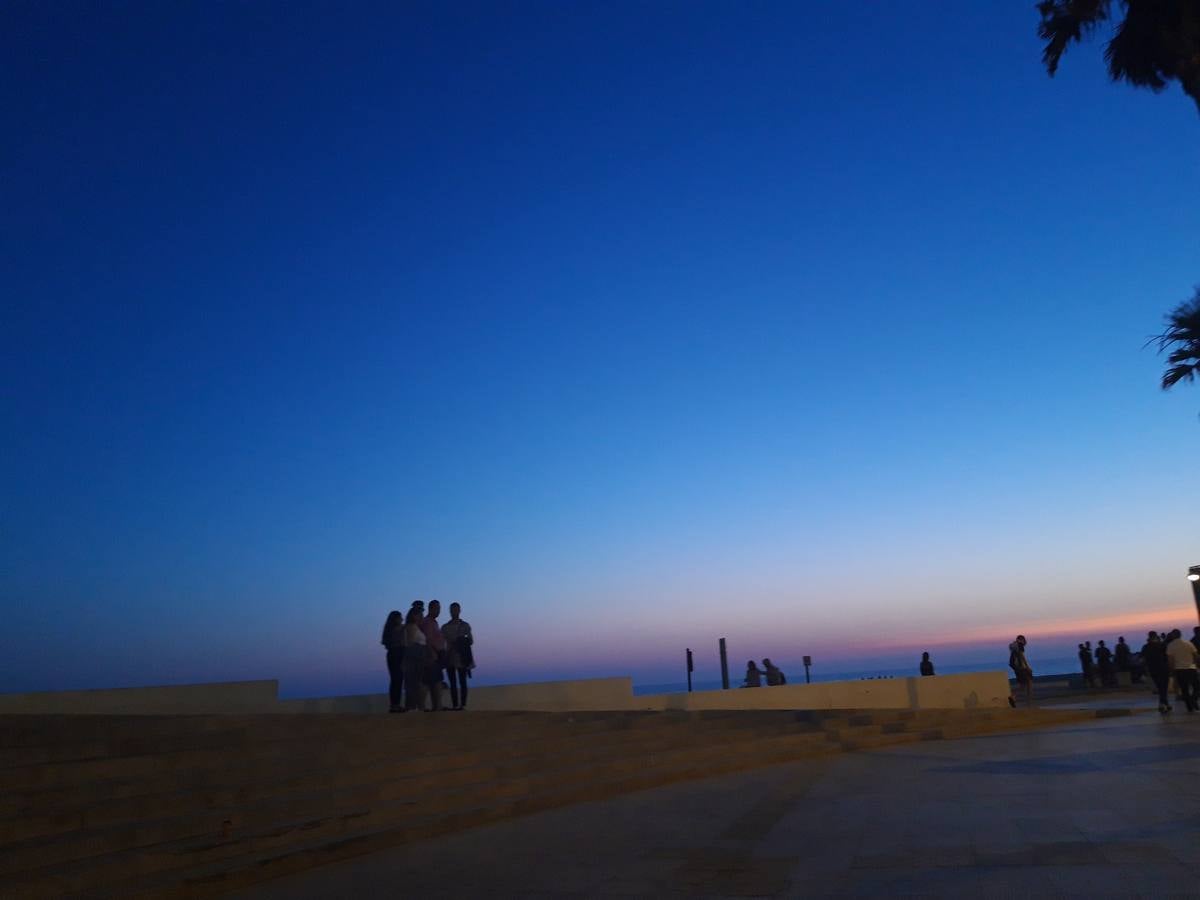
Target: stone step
(31,777)
(31,732)
(505,797)
(85,783)
(330,819)
(42,821)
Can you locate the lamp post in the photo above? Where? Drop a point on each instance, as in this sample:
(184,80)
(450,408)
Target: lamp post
(1194,578)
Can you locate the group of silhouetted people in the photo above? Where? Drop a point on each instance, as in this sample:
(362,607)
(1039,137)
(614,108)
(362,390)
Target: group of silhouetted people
(1106,663)
(1164,656)
(1169,656)
(769,673)
(420,651)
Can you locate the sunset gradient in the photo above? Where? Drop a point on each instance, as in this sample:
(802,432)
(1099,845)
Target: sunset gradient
(818,328)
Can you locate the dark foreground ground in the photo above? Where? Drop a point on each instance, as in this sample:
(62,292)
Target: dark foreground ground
(1109,808)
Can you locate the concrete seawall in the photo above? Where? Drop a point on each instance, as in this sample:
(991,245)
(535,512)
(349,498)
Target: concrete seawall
(972,690)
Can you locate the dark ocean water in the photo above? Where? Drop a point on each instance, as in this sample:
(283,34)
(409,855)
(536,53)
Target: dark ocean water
(1049,666)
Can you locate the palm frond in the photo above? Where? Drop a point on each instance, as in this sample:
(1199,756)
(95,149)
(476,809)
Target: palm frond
(1147,45)
(1068,21)
(1182,339)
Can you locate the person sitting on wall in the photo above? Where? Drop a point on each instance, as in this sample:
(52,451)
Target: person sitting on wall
(753,675)
(774,676)
(926,664)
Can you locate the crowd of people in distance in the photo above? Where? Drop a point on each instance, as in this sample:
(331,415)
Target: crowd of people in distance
(769,673)
(1108,662)
(420,651)
(1165,657)
(1170,656)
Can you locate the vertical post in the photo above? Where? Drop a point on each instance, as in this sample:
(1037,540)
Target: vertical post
(1194,578)
(724,666)
(807,665)
(689,668)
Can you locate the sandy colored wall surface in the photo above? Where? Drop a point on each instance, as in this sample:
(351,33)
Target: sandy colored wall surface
(965,691)
(217,697)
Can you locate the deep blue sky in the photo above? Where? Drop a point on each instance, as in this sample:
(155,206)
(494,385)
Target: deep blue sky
(815,325)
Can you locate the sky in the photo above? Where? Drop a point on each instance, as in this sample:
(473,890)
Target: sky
(817,326)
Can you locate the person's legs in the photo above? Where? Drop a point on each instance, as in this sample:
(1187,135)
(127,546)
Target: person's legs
(464,676)
(395,664)
(1188,685)
(414,697)
(1160,683)
(433,679)
(452,677)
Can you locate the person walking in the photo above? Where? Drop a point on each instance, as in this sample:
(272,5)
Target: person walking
(1154,658)
(415,649)
(1182,656)
(926,664)
(435,655)
(753,675)
(1108,677)
(393,641)
(460,659)
(1021,668)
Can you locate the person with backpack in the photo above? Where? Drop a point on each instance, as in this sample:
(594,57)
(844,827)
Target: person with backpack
(460,659)
(1021,668)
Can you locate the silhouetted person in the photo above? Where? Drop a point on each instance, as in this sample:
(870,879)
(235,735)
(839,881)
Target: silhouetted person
(753,675)
(1104,659)
(460,659)
(1085,663)
(774,676)
(393,640)
(435,655)
(1123,656)
(415,650)
(1021,668)
(1182,656)
(926,664)
(1196,637)
(1154,658)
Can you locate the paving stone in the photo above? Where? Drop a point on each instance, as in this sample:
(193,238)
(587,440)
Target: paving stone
(1038,814)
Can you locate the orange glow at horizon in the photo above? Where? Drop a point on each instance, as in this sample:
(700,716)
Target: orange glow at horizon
(1108,627)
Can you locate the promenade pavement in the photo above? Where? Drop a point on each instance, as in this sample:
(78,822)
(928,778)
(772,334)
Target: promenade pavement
(1110,808)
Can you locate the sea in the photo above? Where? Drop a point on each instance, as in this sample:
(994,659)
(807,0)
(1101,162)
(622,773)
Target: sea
(1043,667)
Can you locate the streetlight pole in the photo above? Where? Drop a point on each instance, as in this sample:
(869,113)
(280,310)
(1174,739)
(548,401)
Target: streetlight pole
(1194,578)
(724,665)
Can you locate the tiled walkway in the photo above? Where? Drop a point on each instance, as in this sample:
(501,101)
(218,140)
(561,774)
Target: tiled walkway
(1107,809)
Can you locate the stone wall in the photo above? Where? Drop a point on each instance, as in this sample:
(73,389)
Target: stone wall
(217,697)
(966,691)
(970,690)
